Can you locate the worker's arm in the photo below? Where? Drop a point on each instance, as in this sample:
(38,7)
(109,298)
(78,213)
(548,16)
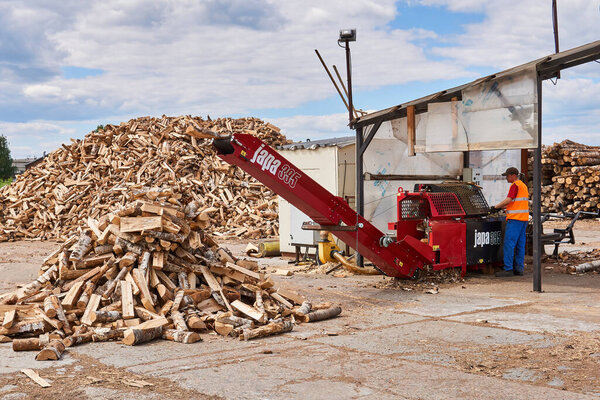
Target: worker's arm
(512,193)
(504,203)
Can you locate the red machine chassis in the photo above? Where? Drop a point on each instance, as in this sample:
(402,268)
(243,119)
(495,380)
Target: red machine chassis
(400,258)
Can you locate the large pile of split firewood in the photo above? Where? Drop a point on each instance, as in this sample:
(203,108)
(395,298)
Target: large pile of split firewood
(143,272)
(89,176)
(570,176)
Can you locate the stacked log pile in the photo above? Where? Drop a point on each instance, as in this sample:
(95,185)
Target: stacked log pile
(571,177)
(89,176)
(143,272)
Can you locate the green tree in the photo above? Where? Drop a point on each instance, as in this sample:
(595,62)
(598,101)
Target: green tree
(7,170)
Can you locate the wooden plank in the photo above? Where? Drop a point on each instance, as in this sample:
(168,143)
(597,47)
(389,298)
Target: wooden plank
(245,271)
(94,261)
(138,224)
(249,311)
(192,279)
(290,295)
(153,323)
(73,295)
(34,376)
(9,318)
(127,300)
(283,301)
(91,307)
(152,209)
(134,286)
(210,279)
(410,130)
(154,281)
(142,284)
(82,278)
(166,281)
(158,260)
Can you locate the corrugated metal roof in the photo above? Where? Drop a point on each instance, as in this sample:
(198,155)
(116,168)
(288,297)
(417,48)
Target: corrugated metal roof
(315,144)
(547,67)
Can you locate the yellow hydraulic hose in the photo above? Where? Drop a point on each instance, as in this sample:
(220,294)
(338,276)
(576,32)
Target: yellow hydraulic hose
(353,268)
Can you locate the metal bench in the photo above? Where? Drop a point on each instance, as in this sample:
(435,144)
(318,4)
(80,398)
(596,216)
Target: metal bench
(305,255)
(561,235)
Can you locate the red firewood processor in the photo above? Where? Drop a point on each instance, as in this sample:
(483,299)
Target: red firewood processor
(438,226)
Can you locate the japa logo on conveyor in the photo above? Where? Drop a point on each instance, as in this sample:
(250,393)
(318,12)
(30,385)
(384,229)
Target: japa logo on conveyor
(267,162)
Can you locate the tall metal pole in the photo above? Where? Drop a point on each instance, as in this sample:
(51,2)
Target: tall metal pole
(555,26)
(349,77)
(537,193)
(360,185)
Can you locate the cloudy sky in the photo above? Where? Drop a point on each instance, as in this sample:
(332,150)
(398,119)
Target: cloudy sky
(68,66)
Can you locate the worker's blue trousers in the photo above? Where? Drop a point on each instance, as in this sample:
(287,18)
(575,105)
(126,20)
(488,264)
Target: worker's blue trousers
(514,245)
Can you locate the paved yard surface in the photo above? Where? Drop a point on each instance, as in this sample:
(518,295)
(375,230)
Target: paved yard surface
(484,338)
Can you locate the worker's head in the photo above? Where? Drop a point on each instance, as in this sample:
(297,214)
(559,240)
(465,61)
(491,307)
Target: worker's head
(511,174)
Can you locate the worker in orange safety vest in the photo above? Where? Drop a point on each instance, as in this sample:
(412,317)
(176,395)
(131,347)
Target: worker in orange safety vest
(516,205)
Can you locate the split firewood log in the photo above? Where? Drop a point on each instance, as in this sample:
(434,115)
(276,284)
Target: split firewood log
(51,351)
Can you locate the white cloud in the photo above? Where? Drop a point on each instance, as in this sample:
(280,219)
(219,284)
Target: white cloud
(302,127)
(232,57)
(42,91)
(222,57)
(517,31)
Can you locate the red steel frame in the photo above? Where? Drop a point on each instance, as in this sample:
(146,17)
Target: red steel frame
(400,259)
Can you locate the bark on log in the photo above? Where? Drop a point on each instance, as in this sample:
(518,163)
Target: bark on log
(83,247)
(97,335)
(27,344)
(304,309)
(324,314)
(35,327)
(49,307)
(585,267)
(179,321)
(135,336)
(272,328)
(112,284)
(181,336)
(105,316)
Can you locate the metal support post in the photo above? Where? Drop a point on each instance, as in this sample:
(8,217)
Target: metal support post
(349,77)
(537,193)
(360,185)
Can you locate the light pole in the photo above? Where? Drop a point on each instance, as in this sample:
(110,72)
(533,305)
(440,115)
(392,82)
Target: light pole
(347,36)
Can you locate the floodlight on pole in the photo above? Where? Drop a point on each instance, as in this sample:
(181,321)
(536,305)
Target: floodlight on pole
(347,36)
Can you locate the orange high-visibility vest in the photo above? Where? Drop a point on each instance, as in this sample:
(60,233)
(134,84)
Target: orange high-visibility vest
(519,208)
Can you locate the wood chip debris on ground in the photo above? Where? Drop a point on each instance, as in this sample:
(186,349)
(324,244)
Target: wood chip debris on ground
(146,271)
(92,175)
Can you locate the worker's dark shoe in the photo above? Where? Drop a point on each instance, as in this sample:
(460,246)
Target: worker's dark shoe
(504,273)
(519,273)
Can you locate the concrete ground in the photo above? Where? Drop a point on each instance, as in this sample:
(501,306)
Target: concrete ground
(484,338)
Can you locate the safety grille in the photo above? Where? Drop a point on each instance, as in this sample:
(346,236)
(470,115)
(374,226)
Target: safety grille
(413,208)
(445,204)
(470,196)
